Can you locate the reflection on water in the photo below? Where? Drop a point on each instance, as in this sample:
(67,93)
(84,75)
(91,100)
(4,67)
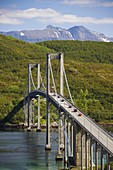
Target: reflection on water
(25,151)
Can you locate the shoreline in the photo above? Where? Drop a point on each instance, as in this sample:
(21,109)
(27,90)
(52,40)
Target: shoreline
(22,126)
(42,126)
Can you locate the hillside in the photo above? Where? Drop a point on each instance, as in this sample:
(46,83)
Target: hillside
(14,58)
(89,67)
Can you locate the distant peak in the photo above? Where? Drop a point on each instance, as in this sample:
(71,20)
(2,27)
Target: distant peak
(50,27)
(55,28)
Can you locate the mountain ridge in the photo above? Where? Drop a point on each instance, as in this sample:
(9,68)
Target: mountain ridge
(57,33)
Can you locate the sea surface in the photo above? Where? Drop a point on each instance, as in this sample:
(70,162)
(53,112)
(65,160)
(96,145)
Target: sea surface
(21,150)
(26,151)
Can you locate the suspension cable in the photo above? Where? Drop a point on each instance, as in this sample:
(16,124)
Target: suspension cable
(52,77)
(42,82)
(32,80)
(67,85)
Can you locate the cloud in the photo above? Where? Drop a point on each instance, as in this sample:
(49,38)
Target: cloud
(79,2)
(7,17)
(107,4)
(47,16)
(16,17)
(89,3)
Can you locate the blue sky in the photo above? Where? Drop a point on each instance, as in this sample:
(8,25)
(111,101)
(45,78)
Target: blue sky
(96,15)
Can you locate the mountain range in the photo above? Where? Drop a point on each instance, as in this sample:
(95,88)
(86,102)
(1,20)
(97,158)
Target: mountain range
(57,33)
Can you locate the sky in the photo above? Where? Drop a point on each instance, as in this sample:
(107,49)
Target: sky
(96,15)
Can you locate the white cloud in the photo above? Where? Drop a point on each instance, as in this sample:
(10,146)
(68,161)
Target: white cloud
(7,17)
(89,3)
(47,16)
(79,2)
(107,4)
(17,16)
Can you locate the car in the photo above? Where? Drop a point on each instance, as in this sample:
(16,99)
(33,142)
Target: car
(69,106)
(80,114)
(75,110)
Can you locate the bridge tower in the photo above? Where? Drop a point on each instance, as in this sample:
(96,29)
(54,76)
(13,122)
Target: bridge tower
(51,56)
(31,82)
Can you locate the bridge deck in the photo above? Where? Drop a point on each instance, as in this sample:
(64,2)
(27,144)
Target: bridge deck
(98,133)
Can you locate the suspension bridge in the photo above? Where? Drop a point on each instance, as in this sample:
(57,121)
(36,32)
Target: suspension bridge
(80,139)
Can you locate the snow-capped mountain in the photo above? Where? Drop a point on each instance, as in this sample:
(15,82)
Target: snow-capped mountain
(84,34)
(57,33)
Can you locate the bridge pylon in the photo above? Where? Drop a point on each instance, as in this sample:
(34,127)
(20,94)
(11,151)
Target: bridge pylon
(30,86)
(51,56)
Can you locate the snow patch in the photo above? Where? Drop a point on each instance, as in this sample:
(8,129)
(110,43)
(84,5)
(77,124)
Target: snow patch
(70,35)
(21,34)
(105,40)
(56,33)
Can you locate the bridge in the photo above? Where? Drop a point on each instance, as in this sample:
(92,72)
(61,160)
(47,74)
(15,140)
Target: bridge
(80,139)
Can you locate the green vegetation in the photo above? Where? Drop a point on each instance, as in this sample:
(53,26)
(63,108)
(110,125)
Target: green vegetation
(88,65)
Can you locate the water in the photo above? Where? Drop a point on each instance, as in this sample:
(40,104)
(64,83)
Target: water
(25,151)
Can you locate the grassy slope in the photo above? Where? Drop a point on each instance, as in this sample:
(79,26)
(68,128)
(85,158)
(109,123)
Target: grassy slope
(88,66)
(14,58)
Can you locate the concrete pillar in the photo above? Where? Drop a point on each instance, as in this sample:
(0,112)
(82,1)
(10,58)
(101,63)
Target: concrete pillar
(47,147)
(61,58)
(61,74)
(61,132)
(65,141)
(32,112)
(83,149)
(71,139)
(38,82)
(86,150)
(29,90)
(68,136)
(59,155)
(102,159)
(96,155)
(79,146)
(107,162)
(38,127)
(91,153)
(65,144)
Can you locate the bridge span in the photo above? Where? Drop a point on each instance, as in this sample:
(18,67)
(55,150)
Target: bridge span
(78,135)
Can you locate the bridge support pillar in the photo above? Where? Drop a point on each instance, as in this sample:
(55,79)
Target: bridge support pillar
(91,153)
(102,159)
(38,127)
(81,147)
(38,82)
(107,162)
(61,59)
(96,155)
(29,90)
(71,139)
(65,144)
(59,155)
(61,134)
(48,146)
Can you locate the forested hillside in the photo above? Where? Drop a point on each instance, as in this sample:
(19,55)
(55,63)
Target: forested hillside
(88,65)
